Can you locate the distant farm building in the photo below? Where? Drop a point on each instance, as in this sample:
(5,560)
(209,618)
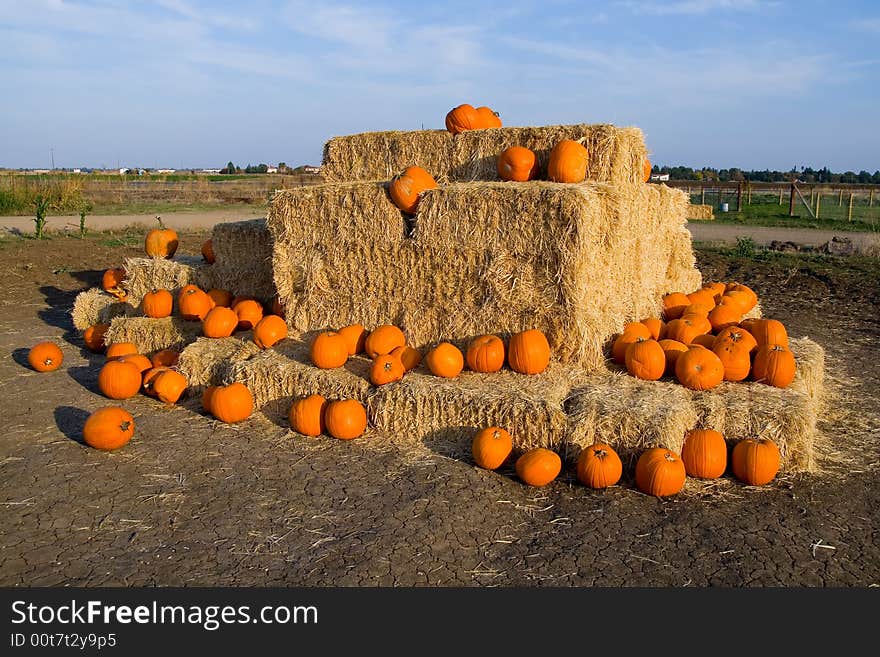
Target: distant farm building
(659,177)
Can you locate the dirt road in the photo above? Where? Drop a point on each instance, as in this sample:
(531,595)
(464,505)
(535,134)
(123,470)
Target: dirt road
(763,235)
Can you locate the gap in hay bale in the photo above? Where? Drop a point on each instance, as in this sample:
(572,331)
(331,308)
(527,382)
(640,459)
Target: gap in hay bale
(145,274)
(576,261)
(243,259)
(445,414)
(205,361)
(616,154)
(95,306)
(286,371)
(150,335)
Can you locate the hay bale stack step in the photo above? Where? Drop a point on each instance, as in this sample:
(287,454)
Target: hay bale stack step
(150,335)
(616,154)
(95,306)
(243,259)
(206,361)
(576,261)
(145,274)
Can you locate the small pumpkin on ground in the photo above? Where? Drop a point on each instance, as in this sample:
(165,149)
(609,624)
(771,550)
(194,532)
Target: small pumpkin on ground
(491,447)
(528,352)
(538,466)
(329,350)
(119,379)
(660,472)
(704,453)
(599,466)
(517,164)
(307,415)
(445,360)
(108,428)
(169,386)
(161,242)
(755,461)
(149,377)
(45,356)
(345,419)
(231,403)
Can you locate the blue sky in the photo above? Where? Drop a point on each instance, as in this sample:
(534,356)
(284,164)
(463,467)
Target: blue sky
(187,83)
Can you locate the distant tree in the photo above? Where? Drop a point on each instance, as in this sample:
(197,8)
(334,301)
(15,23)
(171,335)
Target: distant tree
(229,168)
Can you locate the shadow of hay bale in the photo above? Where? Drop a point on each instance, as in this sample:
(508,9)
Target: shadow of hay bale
(452,442)
(70,421)
(58,313)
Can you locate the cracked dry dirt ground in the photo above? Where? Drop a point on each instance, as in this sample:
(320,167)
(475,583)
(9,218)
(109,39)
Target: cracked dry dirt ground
(193,502)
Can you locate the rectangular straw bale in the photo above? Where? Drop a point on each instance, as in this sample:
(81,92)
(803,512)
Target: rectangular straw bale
(145,274)
(576,261)
(150,334)
(700,212)
(629,414)
(286,372)
(205,361)
(616,154)
(243,259)
(95,306)
(426,408)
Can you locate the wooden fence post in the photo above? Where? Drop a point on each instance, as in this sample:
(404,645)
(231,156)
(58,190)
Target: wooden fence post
(739,197)
(791,201)
(812,196)
(839,197)
(780,196)
(849,213)
(703,195)
(871,200)
(818,200)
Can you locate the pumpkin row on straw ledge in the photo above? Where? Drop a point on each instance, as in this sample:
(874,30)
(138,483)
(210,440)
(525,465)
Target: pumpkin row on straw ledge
(702,340)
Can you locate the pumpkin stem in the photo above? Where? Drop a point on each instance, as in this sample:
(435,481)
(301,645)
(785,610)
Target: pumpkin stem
(161,225)
(125,425)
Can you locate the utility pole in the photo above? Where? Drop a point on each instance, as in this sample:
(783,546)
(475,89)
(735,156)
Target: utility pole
(52,157)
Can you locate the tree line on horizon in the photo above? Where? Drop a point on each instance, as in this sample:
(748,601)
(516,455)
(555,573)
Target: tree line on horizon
(801,174)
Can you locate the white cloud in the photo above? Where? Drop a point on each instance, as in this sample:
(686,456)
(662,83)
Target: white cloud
(348,25)
(691,7)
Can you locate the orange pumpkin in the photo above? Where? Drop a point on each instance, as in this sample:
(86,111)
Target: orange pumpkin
(269,331)
(704,453)
(220,297)
(461,118)
(632,331)
(165,358)
(208,251)
(491,447)
(517,164)
(345,419)
(231,403)
(528,352)
(329,350)
(119,380)
(445,360)
(220,322)
(409,356)
(739,299)
(704,340)
(755,461)
(169,386)
(686,328)
(406,187)
(646,170)
(161,242)
(738,336)
(704,296)
(138,360)
(660,472)
(645,359)
(745,289)
(599,466)
(149,377)
(193,303)
(355,337)
(307,415)
(725,314)
(249,312)
(699,369)
(674,304)
(208,396)
(45,356)
(538,466)
(93,337)
(774,365)
(386,369)
(656,326)
(735,359)
(672,349)
(485,353)
(111,282)
(383,340)
(118,349)
(108,428)
(769,332)
(488,118)
(568,162)
(717,287)
(157,303)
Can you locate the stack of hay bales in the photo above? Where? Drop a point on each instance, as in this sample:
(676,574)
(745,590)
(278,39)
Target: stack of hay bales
(700,212)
